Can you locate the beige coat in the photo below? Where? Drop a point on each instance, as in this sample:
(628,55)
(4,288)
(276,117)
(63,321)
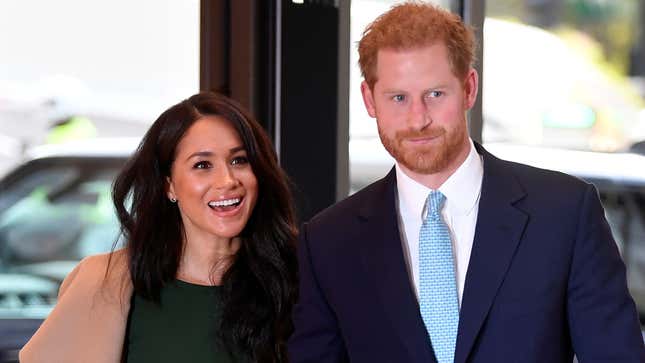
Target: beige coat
(88,322)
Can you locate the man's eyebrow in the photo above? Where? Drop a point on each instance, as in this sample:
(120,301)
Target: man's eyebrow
(399,91)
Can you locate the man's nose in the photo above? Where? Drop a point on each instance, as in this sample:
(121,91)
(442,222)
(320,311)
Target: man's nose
(418,115)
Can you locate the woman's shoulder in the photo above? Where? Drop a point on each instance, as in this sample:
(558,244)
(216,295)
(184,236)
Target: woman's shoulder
(117,258)
(89,318)
(108,269)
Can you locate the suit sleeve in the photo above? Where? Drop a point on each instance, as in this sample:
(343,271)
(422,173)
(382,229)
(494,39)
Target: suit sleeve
(317,337)
(602,316)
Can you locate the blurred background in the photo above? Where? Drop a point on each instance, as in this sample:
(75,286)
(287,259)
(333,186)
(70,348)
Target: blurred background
(118,64)
(563,87)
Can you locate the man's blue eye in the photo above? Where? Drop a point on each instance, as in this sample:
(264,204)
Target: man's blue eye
(435,94)
(398,98)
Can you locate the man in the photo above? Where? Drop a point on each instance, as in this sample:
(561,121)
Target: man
(455,255)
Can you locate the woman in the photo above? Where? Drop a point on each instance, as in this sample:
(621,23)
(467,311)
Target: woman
(208,273)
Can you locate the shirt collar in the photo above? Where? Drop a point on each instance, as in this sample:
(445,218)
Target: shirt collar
(461,189)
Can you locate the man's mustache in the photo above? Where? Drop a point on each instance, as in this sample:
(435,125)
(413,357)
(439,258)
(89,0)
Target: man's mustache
(421,134)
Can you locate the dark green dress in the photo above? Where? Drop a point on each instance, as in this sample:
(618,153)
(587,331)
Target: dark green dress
(182,329)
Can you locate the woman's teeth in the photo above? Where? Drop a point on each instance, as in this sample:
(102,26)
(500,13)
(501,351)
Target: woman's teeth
(225,203)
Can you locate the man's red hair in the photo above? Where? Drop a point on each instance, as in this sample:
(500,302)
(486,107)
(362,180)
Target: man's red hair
(415,25)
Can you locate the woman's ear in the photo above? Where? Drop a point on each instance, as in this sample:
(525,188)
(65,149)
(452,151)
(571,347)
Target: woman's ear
(170,190)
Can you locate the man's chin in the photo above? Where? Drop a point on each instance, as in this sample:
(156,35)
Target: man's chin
(427,170)
(424,165)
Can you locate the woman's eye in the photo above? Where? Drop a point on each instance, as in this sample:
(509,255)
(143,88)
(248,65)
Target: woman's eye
(239,160)
(202,165)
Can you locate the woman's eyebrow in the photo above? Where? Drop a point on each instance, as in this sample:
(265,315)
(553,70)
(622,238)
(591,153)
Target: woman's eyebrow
(200,154)
(236,149)
(207,153)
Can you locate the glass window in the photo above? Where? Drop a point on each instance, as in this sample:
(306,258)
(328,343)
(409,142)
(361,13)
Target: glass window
(565,73)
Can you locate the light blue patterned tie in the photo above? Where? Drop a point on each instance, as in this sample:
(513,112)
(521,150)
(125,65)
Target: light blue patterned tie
(438,298)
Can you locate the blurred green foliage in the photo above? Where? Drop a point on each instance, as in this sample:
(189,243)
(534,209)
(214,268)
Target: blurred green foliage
(612,24)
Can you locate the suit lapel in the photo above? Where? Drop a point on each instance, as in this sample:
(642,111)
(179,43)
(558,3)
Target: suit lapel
(497,234)
(382,257)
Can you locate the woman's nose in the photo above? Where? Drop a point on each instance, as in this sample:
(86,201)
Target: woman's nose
(225,178)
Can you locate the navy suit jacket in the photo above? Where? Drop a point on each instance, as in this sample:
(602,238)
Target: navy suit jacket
(544,280)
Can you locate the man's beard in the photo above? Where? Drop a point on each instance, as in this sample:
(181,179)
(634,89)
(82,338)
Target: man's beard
(428,159)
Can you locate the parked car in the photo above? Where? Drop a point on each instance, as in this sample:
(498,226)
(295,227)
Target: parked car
(55,209)
(10,149)
(619,178)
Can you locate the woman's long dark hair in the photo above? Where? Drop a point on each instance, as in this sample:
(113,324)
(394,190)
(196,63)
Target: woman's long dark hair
(260,287)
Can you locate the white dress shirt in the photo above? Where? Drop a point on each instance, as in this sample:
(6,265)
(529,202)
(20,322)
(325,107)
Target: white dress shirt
(462,191)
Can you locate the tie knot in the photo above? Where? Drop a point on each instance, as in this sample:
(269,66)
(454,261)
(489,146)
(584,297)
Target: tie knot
(434,203)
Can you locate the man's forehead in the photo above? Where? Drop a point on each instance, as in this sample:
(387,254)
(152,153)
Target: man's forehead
(435,45)
(394,57)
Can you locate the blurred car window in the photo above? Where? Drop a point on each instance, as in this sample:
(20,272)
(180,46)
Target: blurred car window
(55,209)
(53,212)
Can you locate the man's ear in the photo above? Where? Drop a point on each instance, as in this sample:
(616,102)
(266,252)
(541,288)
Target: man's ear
(368,99)
(471,85)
